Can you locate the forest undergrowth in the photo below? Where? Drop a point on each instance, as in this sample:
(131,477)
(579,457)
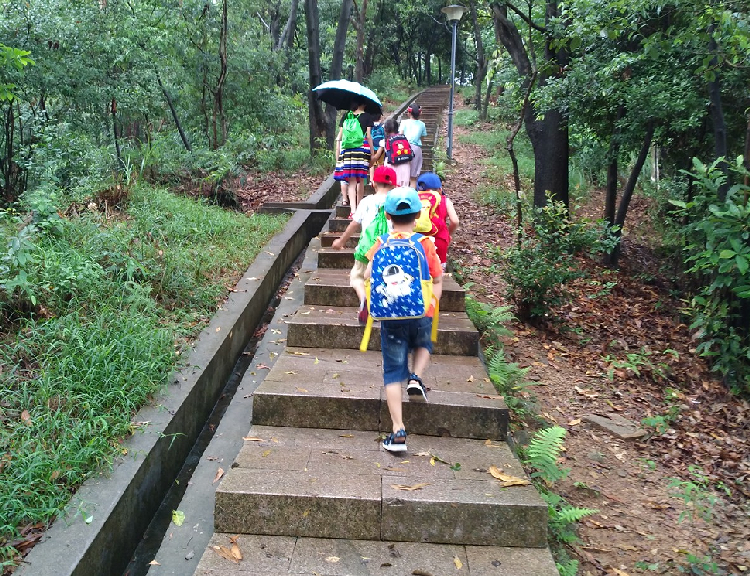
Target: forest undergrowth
(671,501)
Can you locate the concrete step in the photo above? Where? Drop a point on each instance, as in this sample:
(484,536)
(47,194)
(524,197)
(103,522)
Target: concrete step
(325,388)
(336,327)
(338,224)
(327,238)
(342,484)
(287,555)
(330,287)
(342,211)
(330,258)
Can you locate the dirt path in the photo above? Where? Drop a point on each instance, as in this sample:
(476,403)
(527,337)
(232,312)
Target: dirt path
(638,527)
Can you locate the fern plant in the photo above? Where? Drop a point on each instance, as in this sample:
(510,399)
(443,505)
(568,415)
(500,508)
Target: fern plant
(563,516)
(542,454)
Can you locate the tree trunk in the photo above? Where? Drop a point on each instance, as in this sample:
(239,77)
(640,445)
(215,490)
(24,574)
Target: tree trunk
(440,70)
(359,71)
(218,114)
(627,193)
(428,68)
(370,52)
(115,134)
(287,36)
(548,135)
(610,200)
(717,118)
(337,65)
(176,119)
(315,110)
(486,103)
(481,61)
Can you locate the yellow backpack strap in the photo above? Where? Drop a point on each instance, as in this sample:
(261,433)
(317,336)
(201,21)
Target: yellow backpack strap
(366,336)
(368,327)
(435,320)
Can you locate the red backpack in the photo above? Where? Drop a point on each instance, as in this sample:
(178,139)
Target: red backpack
(398,150)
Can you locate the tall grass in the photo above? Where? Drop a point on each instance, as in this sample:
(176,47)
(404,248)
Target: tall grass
(116,299)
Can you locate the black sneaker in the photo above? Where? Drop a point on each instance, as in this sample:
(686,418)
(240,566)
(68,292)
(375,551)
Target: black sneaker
(416,390)
(395,442)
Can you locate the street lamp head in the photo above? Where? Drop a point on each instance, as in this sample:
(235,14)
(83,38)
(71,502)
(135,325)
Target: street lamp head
(453,12)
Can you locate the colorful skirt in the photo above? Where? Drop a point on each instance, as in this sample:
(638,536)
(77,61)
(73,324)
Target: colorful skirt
(353,163)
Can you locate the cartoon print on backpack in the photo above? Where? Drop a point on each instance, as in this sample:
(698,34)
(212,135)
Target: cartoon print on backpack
(400,282)
(396,283)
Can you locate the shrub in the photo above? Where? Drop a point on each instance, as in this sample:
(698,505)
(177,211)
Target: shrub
(717,253)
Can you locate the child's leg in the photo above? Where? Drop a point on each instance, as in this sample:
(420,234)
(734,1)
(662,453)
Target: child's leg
(393,398)
(395,348)
(360,190)
(352,190)
(422,345)
(344,196)
(421,360)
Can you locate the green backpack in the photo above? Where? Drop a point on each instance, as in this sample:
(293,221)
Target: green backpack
(352,137)
(375,230)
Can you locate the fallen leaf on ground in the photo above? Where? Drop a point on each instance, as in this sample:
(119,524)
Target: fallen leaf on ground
(252,439)
(333,559)
(457,562)
(265,453)
(219,474)
(406,488)
(346,435)
(154,563)
(574,422)
(290,372)
(302,390)
(489,444)
(262,367)
(178,517)
(25,417)
(506,479)
(235,550)
(225,553)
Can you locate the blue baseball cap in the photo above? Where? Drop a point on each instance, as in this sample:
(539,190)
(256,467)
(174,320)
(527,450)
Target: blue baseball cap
(429,181)
(401,201)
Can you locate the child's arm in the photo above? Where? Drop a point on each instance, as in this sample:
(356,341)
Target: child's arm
(437,286)
(368,270)
(451,215)
(353,227)
(369,141)
(337,145)
(436,269)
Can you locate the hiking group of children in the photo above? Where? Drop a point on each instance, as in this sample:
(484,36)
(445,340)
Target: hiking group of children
(405,229)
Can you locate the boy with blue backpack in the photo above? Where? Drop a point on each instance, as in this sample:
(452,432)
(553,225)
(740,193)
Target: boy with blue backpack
(405,287)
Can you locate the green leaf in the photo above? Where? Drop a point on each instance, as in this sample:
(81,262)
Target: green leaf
(742,263)
(726,254)
(178,517)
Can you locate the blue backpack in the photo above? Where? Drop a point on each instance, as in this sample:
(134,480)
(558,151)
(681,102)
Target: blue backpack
(378,135)
(400,286)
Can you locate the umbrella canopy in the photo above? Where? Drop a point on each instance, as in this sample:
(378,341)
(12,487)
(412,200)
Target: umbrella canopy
(341,93)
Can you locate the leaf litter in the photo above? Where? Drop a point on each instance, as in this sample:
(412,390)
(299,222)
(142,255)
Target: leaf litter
(709,436)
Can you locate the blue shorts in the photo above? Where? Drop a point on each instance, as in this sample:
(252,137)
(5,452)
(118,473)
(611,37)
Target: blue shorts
(397,339)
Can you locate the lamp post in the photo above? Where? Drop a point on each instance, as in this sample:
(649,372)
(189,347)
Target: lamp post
(453,13)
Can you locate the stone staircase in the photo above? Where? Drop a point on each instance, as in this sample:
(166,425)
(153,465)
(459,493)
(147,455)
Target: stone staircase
(313,493)
(432,102)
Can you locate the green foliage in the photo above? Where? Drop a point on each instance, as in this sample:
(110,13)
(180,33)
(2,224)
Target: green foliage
(537,271)
(96,327)
(542,454)
(717,253)
(697,494)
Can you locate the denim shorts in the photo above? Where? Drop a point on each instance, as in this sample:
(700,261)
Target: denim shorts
(397,339)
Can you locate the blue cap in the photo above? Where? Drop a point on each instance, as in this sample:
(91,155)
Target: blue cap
(429,181)
(401,201)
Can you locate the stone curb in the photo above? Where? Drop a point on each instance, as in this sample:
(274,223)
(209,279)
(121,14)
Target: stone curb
(107,517)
